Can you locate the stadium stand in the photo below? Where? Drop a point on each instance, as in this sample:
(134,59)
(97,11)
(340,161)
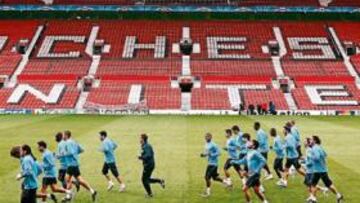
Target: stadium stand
(10,36)
(155,91)
(67,98)
(231,65)
(349,32)
(307,99)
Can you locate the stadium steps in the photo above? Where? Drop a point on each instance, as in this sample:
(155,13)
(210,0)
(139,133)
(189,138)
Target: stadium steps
(135,94)
(25,57)
(290,101)
(82,100)
(185,101)
(277,66)
(234,97)
(185,67)
(94,65)
(90,44)
(346,58)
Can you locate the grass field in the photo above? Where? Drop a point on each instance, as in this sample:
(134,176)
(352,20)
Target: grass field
(177,141)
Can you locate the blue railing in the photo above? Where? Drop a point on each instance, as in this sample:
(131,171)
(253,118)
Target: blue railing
(215,9)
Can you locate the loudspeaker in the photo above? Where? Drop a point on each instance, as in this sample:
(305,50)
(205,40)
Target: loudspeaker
(274,48)
(98,47)
(22,46)
(186,46)
(186,84)
(87,84)
(350,48)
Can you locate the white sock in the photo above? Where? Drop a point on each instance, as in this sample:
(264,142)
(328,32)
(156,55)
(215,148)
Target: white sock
(243,180)
(262,189)
(92,191)
(122,185)
(322,188)
(312,197)
(338,195)
(208,190)
(111,183)
(48,195)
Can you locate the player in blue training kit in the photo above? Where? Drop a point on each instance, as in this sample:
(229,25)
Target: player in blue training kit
(255,162)
(49,167)
(29,173)
(232,150)
(60,150)
(72,151)
(108,147)
(295,131)
(263,140)
(279,149)
(62,159)
(309,171)
(25,157)
(212,153)
(292,156)
(309,168)
(241,142)
(320,170)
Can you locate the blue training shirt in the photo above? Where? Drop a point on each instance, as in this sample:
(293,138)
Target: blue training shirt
(262,138)
(60,154)
(278,147)
(212,151)
(309,166)
(29,171)
(254,161)
(232,148)
(241,143)
(290,147)
(108,147)
(319,159)
(72,151)
(296,133)
(49,164)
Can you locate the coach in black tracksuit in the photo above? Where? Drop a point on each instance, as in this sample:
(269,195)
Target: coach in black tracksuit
(147,156)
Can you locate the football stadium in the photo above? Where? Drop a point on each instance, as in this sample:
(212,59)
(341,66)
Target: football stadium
(179,101)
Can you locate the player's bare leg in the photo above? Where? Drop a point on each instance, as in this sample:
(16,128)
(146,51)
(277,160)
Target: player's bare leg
(247,193)
(260,194)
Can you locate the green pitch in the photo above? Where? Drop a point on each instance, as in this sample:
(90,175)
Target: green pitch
(177,141)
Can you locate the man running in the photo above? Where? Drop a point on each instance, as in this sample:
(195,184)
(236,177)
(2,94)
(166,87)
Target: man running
(295,131)
(62,159)
(49,167)
(232,150)
(72,151)
(263,141)
(108,147)
(320,169)
(292,156)
(255,162)
(212,153)
(29,173)
(147,157)
(278,148)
